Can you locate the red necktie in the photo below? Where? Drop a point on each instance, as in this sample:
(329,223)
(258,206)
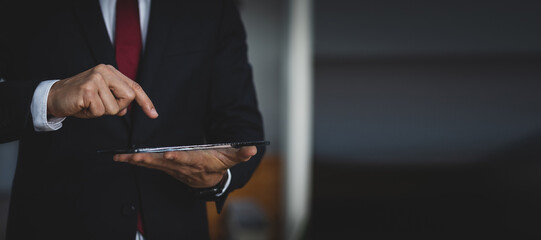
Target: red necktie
(128,42)
(128,45)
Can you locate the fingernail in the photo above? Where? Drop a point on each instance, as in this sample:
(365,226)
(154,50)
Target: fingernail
(153,111)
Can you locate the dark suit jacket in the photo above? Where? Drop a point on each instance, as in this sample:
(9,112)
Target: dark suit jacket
(195,70)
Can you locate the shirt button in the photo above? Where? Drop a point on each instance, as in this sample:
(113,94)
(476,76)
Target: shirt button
(128,210)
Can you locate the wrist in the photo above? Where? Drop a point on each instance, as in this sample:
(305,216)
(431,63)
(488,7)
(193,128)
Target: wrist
(211,193)
(221,183)
(50,101)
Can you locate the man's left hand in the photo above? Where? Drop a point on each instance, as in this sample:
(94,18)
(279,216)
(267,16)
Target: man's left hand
(197,169)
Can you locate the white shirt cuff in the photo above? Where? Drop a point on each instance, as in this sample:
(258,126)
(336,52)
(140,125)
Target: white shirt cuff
(227,182)
(38,108)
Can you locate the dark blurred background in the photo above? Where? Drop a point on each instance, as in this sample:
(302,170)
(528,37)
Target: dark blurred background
(427,118)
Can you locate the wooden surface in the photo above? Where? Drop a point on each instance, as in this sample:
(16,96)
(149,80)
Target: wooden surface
(264,188)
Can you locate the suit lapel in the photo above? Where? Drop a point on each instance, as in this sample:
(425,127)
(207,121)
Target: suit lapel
(93,27)
(161,14)
(94,30)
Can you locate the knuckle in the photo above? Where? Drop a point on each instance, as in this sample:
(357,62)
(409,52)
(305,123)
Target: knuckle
(81,101)
(137,158)
(88,90)
(135,86)
(110,67)
(130,94)
(96,76)
(113,110)
(169,156)
(100,67)
(173,156)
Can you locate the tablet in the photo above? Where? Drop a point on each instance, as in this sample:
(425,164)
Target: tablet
(185,147)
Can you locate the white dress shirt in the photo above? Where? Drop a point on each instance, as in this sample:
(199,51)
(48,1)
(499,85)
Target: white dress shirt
(38,106)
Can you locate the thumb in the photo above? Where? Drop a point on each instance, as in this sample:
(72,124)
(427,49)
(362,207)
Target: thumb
(245,153)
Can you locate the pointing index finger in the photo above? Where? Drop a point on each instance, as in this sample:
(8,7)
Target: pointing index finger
(140,96)
(144,101)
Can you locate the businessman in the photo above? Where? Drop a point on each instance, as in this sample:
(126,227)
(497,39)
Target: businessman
(80,76)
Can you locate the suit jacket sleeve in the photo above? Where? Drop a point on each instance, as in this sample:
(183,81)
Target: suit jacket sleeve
(15,96)
(234,111)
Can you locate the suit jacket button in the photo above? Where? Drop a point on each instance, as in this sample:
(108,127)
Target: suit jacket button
(128,210)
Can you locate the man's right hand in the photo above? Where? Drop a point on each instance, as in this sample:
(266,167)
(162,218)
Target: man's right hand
(101,90)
